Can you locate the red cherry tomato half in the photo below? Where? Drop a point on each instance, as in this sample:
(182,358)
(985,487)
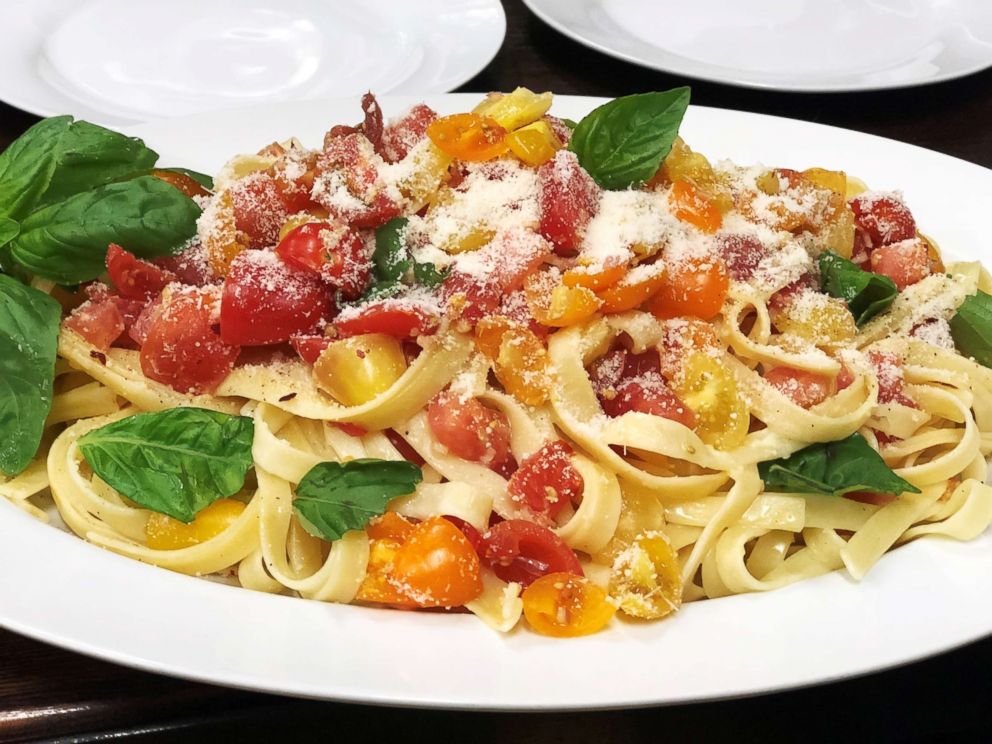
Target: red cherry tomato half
(521,551)
(335,252)
(394,317)
(904,263)
(884,219)
(265,301)
(803,388)
(134,278)
(569,199)
(470,430)
(546,481)
(99,322)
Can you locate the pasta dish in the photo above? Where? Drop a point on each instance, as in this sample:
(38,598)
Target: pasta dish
(495,361)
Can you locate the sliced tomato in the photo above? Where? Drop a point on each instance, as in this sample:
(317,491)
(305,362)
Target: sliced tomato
(904,263)
(183,348)
(394,317)
(351,163)
(741,254)
(546,481)
(259,209)
(265,301)
(784,297)
(521,551)
(190,267)
(883,218)
(134,278)
(470,430)
(309,346)
(569,199)
(99,322)
(400,136)
(647,394)
(333,251)
(803,388)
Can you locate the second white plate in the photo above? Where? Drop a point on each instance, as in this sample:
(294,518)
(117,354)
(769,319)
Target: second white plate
(795,45)
(119,62)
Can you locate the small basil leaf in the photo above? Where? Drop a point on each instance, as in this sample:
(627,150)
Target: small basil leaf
(570,123)
(622,143)
(201,178)
(67,242)
(833,469)
(29,329)
(428,275)
(335,497)
(174,462)
(865,293)
(8,230)
(971,328)
(390,259)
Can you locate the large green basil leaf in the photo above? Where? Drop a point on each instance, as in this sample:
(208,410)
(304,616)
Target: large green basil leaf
(29,330)
(67,242)
(865,293)
(622,143)
(971,328)
(57,158)
(176,461)
(335,497)
(392,264)
(833,468)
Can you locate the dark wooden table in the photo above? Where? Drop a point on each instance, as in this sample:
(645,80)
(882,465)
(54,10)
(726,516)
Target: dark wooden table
(49,693)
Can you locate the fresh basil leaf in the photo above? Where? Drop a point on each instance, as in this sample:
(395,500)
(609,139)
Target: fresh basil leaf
(570,123)
(865,293)
(29,330)
(89,156)
(8,230)
(201,178)
(335,497)
(971,328)
(833,468)
(392,262)
(174,462)
(59,157)
(622,143)
(428,275)
(27,165)
(67,242)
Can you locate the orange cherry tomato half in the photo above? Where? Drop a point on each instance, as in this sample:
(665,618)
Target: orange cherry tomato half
(564,605)
(640,284)
(437,566)
(594,280)
(390,526)
(468,137)
(694,287)
(693,206)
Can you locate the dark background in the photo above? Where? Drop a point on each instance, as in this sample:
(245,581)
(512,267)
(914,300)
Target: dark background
(49,693)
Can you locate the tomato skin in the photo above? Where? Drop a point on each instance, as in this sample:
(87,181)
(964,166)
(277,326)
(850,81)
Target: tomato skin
(409,453)
(309,347)
(805,389)
(400,136)
(521,551)
(468,137)
(335,253)
(99,322)
(182,347)
(187,185)
(470,430)
(845,378)
(884,219)
(546,481)
(904,263)
(471,534)
(259,209)
(266,302)
(437,566)
(891,382)
(190,267)
(742,254)
(569,199)
(694,287)
(391,316)
(562,605)
(134,278)
(650,395)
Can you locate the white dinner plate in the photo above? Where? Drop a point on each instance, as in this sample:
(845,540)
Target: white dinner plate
(120,62)
(923,598)
(797,45)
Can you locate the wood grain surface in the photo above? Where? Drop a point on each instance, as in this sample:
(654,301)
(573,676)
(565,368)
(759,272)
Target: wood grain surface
(53,694)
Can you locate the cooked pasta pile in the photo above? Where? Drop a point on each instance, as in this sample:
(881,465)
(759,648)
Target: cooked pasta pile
(619,389)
